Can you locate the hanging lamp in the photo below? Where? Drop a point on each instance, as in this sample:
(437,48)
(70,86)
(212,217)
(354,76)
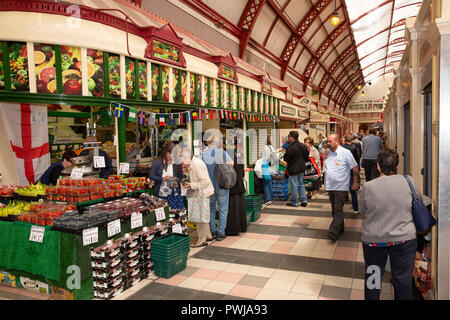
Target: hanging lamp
(335,19)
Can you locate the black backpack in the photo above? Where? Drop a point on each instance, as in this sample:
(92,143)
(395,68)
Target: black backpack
(225,175)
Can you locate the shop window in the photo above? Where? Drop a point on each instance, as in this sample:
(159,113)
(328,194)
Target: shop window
(2,73)
(18,62)
(95,73)
(165,83)
(130,76)
(114,75)
(45,68)
(142,78)
(155,81)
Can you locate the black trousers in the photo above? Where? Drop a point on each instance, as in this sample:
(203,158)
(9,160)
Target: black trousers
(337,199)
(370,168)
(402,257)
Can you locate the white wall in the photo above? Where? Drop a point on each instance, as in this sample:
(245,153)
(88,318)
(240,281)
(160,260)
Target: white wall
(375,91)
(7,162)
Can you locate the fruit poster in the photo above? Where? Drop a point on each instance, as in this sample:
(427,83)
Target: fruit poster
(155,82)
(229,102)
(241,98)
(71,71)
(223,92)
(255,101)
(184,87)
(165,51)
(2,74)
(211,92)
(129,77)
(165,83)
(175,85)
(192,89)
(199,90)
(44,61)
(142,76)
(218,97)
(114,75)
(95,72)
(18,62)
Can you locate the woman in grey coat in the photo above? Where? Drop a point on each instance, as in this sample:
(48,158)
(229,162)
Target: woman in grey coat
(388,229)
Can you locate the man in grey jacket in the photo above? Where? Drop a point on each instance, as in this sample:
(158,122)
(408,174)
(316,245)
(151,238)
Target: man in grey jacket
(372,146)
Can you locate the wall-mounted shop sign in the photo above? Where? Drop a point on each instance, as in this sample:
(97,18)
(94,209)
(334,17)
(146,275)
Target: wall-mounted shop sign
(289,96)
(227,68)
(319,117)
(164,45)
(303,112)
(266,85)
(288,111)
(305,101)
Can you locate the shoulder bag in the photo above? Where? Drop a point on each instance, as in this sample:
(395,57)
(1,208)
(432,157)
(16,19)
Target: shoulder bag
(198,209)
(423,219)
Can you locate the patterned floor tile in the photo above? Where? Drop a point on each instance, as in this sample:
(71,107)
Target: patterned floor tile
(244,291)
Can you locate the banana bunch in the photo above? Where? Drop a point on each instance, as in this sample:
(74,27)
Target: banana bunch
(14,208)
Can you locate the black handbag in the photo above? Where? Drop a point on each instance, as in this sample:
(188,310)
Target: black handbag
(423,219)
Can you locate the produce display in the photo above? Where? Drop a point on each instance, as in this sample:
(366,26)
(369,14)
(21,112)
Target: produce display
(18,62)
(44,60)
(2,74)
(32,190)
(71,70)
(14,208)
(155,84)
(44,213)
(7,190)
(95,72)
(129,77)
(110,148)
(165,83)
(175,85)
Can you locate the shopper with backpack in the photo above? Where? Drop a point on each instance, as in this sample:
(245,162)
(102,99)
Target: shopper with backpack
(223,177)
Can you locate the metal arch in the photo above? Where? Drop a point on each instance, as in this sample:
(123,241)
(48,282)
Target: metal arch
(334,66)
(321,50)
(301,29)
(327,77)
(247,23)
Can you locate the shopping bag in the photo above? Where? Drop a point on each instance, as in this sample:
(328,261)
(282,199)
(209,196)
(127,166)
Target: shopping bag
(312,170)
(258,168)
(199,209)
(265,170)
(165,190)
(175,201)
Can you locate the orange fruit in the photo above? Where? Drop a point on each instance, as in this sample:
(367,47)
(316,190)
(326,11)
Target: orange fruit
(51,86)
(90,69)
(39,57)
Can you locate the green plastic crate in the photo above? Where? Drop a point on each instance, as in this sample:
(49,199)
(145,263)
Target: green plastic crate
(170,241)
(249,218)
(167,269)
(256,215)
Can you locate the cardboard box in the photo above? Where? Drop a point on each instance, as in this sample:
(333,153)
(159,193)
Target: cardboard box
(35,285)
(7,279)
(62,294)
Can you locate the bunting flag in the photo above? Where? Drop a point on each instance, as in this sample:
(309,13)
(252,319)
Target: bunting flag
(141,117)
(162,121)
(188,117)
(234,116)
(151,120)
(118,110)
(221,114)
(171,120)
(230,115)
(206,113)
(200,116)
(182,118)
(132,115)
(211,114)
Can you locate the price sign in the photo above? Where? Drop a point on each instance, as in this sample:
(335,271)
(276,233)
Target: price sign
(136,220)
(124,168)
(113,228)
(160,214)
(37,234)
(90,236)
(99,162)
(77,173)
(184,192)
(177,228)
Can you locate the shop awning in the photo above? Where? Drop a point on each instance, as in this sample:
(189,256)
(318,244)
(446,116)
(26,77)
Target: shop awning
(197,65)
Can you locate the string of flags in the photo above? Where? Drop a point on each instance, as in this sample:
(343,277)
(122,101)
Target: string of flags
(177,118)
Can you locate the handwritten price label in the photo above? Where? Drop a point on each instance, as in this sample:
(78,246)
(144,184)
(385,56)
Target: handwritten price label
(99,162)
(37,234)
(90,236)
(177,228)
(113,228)
(136,220)
(76,174)
(160,214)
(124,168)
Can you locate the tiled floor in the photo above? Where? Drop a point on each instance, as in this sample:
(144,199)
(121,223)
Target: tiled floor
(286,254)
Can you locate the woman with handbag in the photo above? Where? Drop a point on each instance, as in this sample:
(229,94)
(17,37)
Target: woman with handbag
(167,176)
(388,228)
(200,189)
(313,153)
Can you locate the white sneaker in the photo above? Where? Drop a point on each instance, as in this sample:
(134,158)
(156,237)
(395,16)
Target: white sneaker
(268,202)
(355,212)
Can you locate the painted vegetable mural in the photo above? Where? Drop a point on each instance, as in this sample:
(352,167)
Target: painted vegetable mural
(114,75)
(142,75)
(155,82)
(95,73)
(18,63)
(165,51)
(165,83)
(129,77)
(2,75)
(192,89)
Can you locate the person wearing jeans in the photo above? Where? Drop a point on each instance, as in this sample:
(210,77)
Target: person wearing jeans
(296,157)
(388,228)
(372,146)
(347,145)
(213,156)
(268,191)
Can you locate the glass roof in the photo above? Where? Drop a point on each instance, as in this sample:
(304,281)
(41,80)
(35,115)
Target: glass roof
(379,29)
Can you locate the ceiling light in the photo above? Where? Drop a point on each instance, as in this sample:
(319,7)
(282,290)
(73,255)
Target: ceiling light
(359,87)
(362,94)
(335,19)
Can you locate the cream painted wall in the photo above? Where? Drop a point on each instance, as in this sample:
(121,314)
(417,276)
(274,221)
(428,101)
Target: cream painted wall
(377,90)
(7,162)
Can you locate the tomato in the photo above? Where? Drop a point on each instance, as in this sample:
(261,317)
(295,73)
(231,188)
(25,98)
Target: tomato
(23,51)
(72,87)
